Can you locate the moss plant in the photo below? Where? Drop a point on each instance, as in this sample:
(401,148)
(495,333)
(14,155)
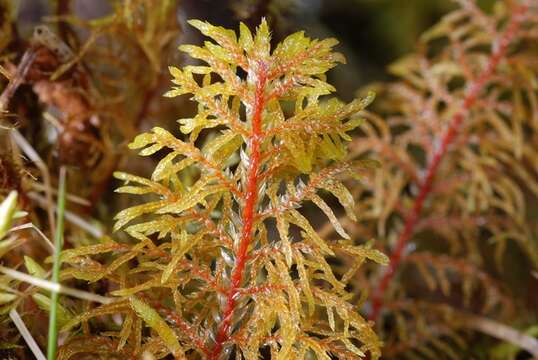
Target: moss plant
(452,200)
(227,265)
(252,236)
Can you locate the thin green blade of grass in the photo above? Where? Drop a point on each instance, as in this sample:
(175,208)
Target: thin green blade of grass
(58,244)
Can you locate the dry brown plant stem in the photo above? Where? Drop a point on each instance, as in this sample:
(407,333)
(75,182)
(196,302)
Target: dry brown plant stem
(503,332)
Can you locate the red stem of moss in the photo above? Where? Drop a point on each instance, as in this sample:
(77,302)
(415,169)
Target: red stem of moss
(251,193)
(447,138)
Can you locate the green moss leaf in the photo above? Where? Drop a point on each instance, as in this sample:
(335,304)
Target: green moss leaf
(156,322)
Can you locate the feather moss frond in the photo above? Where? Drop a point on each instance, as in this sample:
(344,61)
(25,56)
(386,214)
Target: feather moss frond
(229,258)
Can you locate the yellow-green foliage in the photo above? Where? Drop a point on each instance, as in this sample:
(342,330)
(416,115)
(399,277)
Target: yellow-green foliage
(262,143)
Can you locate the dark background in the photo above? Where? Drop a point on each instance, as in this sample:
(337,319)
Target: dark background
(373,33)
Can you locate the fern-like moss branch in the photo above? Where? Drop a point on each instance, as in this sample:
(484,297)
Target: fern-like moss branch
(246,269)
(474,90)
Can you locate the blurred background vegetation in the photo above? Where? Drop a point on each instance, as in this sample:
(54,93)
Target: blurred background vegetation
(373,33)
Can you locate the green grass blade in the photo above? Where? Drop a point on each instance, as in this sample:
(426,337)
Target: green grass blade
(58,244)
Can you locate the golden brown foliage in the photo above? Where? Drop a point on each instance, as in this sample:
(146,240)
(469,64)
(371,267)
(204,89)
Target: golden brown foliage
(457,135)
(226,255)
(226,263)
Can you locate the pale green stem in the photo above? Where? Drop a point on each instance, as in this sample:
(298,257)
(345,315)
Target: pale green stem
(58,244)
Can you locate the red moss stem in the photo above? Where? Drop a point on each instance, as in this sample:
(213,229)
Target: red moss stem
(251,194)
(447,138)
